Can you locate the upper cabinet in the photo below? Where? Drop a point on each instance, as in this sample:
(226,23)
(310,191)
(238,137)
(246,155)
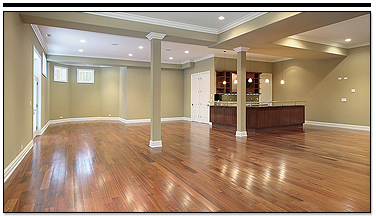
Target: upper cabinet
(227,83)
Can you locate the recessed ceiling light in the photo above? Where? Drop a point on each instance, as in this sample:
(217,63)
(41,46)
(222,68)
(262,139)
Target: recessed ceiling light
(114,44)
(80,50)
(221,18)
(130,54)
(348,39)
(170,58)
(82,41)
(140,47)
(48,35)
(186,51)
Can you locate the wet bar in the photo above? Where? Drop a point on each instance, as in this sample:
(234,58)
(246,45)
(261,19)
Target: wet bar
(261,116)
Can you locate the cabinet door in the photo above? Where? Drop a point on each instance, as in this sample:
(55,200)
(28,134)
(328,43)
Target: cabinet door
(204,96)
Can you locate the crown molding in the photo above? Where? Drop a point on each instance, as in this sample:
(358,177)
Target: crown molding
(240,21)
(203,58)
(168,23)
(39,37)
(155,35)
(155,21)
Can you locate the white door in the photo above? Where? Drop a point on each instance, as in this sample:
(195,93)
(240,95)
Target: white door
(35,106)
(204,96)
(200,96)
(266,87)
(195,96)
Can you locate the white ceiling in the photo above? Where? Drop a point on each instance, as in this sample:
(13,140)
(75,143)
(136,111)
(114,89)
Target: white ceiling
(358,29)
(67,41)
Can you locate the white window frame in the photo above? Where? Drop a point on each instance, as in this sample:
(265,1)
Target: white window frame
(78,76)
(44,65)
(66,69)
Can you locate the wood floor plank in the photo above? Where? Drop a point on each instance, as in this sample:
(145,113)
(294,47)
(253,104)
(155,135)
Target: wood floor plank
(107,166)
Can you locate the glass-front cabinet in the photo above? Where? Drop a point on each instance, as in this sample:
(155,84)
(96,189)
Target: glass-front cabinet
(227,82)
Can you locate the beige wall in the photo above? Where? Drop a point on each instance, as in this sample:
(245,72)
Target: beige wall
(59,95)
(138,96)
(78,100)
(317,83)
(19,39)
(122,92)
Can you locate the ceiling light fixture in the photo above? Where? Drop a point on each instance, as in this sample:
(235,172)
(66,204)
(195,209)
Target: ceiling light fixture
(282,80)
(130,54)
(82,41)
(221,18)
(187,51)
(348,40)
(170,58)
(140,47)
(80,50)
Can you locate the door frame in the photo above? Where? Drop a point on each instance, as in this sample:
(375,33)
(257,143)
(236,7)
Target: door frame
(37,76)
(193,74)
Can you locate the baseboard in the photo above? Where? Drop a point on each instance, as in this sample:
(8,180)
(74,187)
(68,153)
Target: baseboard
(16,161)
(45,127)
(155,144)
(56,121)
(346,126)
(148,120)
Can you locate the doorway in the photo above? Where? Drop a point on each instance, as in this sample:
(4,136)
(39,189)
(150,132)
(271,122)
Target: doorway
(37,70)
(200,96)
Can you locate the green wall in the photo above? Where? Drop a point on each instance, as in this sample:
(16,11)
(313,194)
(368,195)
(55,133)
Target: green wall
(138,98)
(19,39)
(122,92)
(317,83)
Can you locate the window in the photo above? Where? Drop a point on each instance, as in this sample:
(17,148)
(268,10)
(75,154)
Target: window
(85,76)
(44,65)
(60,74)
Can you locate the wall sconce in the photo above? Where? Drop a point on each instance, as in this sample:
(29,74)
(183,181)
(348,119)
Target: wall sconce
(250,80)
(224,82)
(266,80)
(236,81)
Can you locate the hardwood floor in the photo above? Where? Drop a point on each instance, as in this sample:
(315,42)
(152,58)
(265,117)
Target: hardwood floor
(109,167)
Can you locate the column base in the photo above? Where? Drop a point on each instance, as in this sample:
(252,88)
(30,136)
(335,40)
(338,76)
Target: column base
(241,133)
(154,144)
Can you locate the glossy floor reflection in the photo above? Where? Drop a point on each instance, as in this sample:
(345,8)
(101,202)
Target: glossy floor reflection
(109,167)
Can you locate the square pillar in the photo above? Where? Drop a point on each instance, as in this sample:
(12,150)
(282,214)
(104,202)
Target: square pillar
(155,117)
(241,114)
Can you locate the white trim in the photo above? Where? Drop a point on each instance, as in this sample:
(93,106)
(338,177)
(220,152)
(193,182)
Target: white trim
(155,21)
(204,57)
(61,68)
(45,127)
(346,126)
(155,35)
(241,133)
(39,37)
(240,21)
(155,144)
(16,161)
(241,49)
(174,24)
(57,121)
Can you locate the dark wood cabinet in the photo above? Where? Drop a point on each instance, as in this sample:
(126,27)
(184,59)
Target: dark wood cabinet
(259,119)
(226,82)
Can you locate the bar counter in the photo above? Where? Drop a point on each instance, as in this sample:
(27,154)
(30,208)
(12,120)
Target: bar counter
(259,117)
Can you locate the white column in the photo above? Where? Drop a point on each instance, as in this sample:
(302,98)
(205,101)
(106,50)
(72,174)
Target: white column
(241,115)
(155,124)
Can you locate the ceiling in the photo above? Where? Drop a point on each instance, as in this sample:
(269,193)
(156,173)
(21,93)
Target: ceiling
(64,41)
